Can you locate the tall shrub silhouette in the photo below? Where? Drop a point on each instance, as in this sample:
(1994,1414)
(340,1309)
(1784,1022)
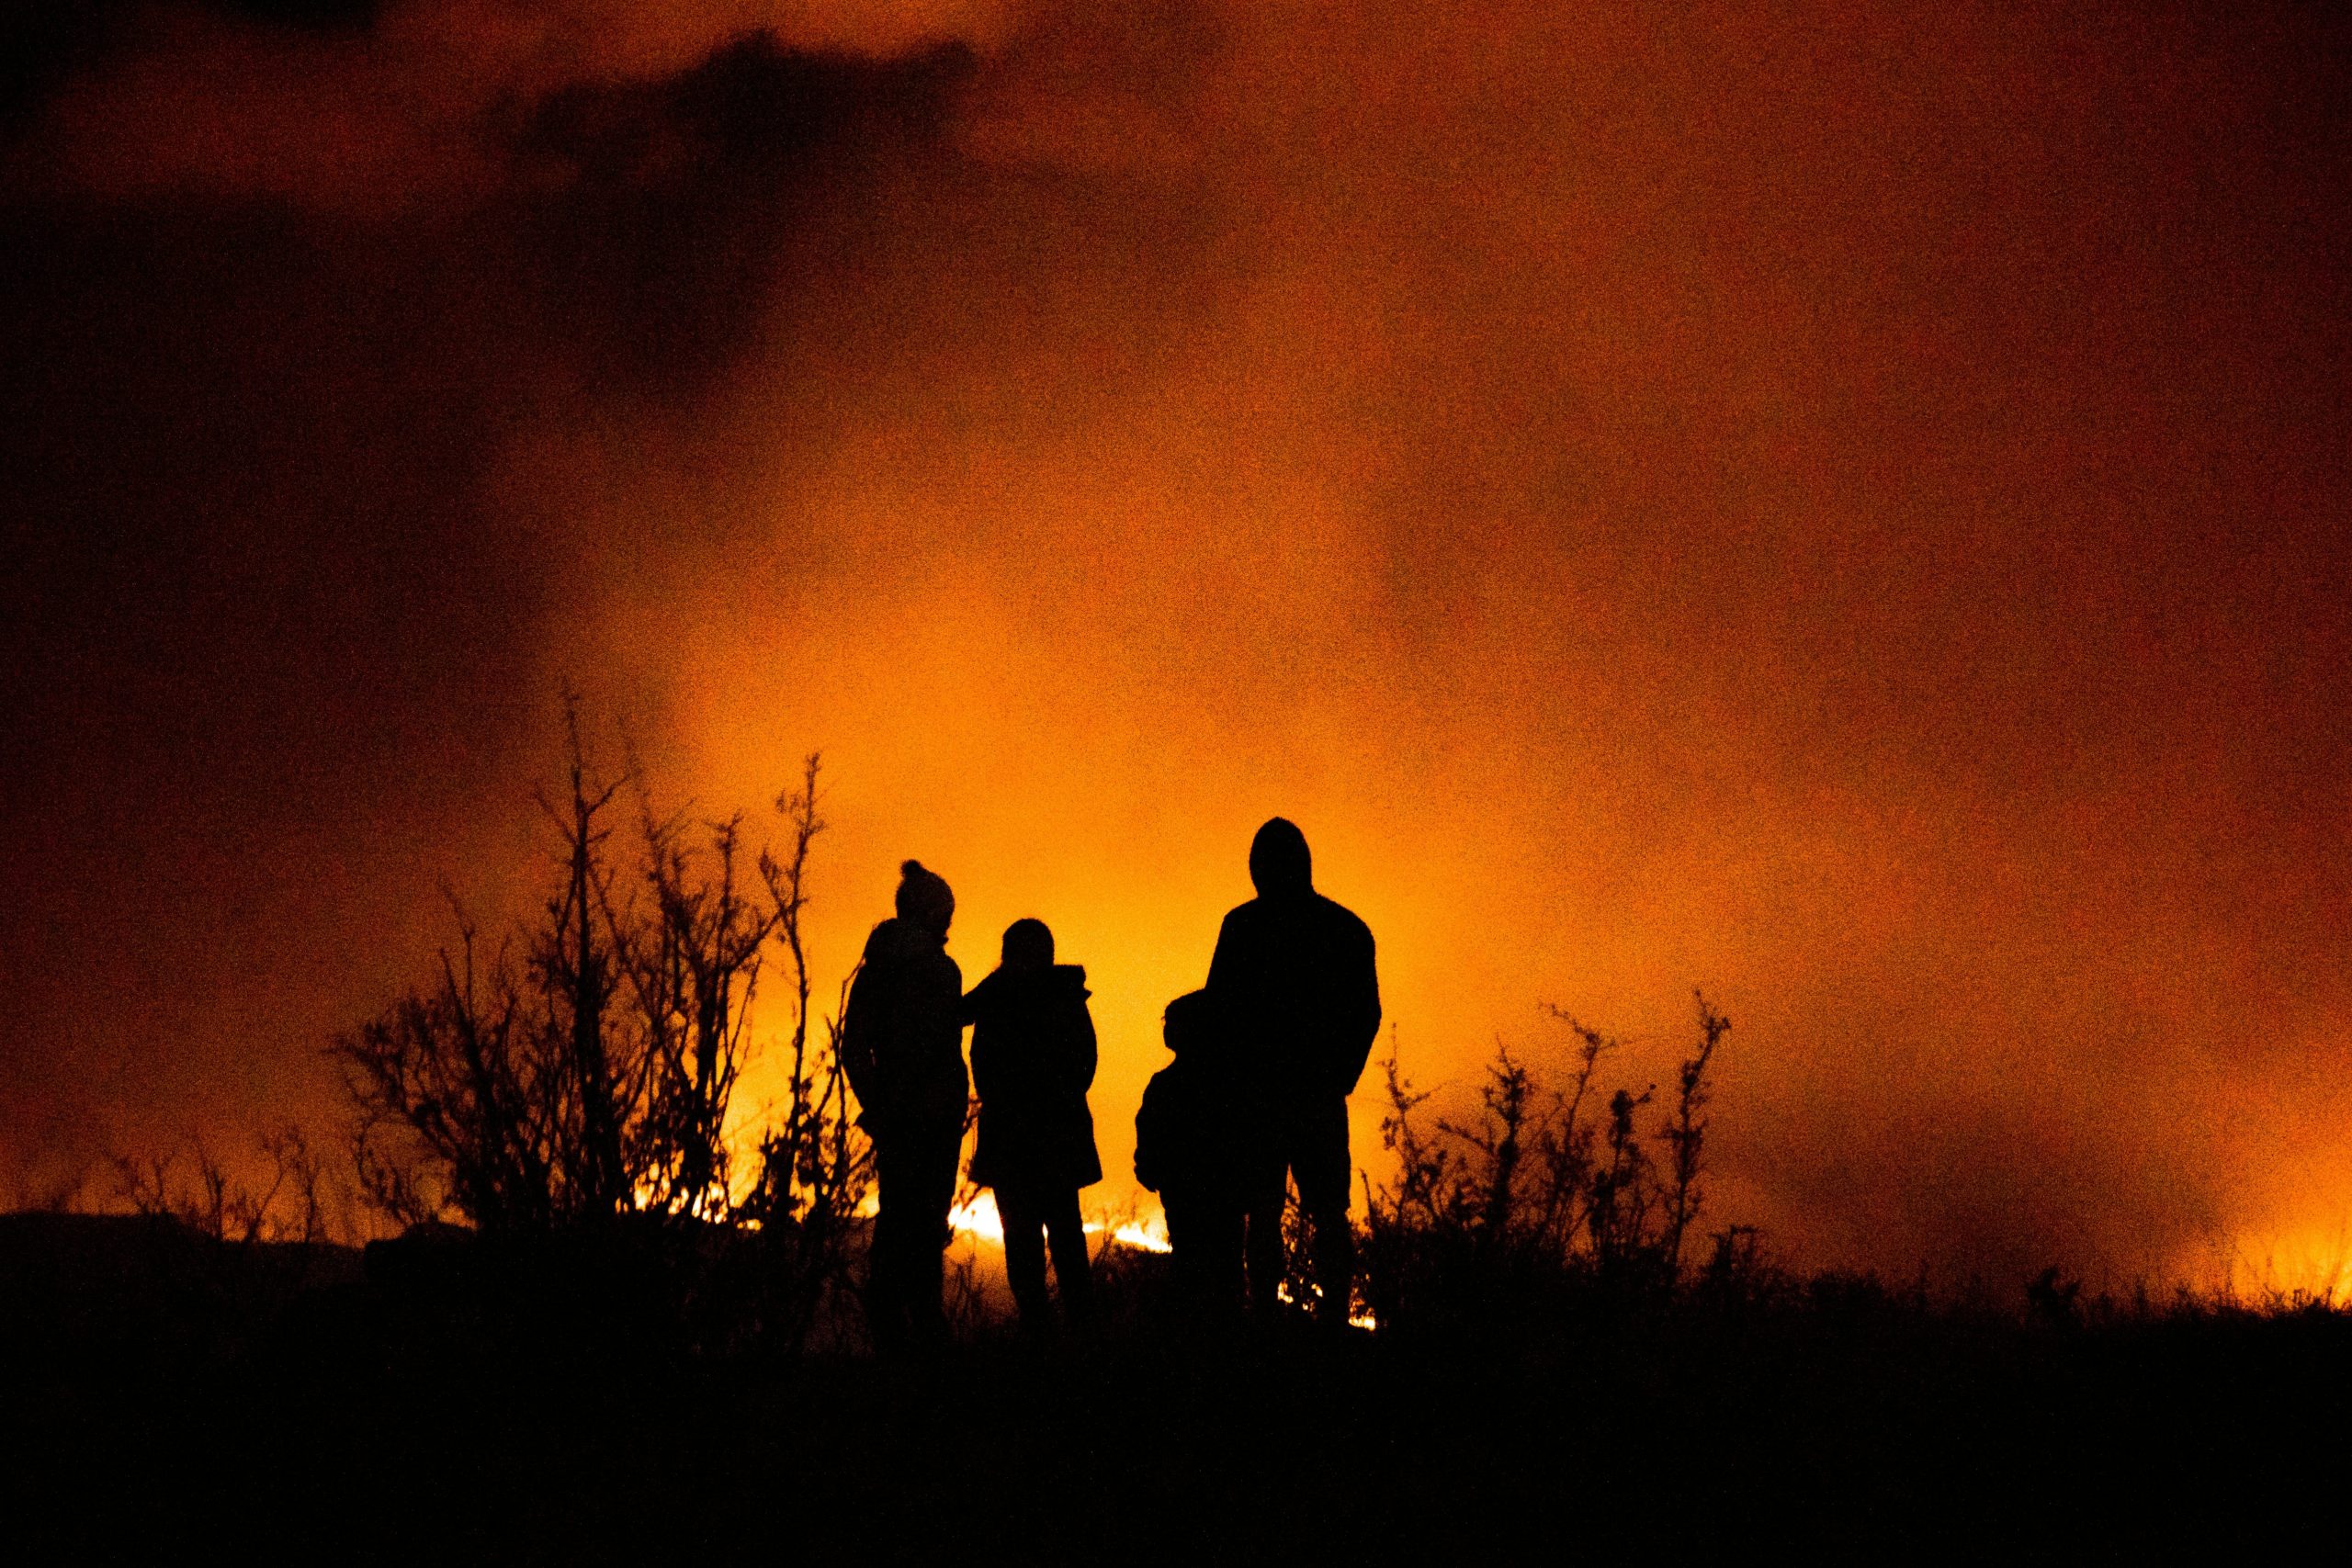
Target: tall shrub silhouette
(816,1166)
(693,963)
(591,1081)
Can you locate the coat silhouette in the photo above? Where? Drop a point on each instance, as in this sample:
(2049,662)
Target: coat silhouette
(902,1029)
(902,1046)
(1032,1060)
(1294,975)
(1201,1130)
(1293,979)
(1202,1144)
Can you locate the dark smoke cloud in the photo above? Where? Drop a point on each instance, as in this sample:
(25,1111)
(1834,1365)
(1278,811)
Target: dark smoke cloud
(273,637)
(1839,506)
(398,107)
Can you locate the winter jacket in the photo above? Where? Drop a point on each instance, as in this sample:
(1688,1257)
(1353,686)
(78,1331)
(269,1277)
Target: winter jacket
(1032,1060)
(902,1032)
(1293,972)
(1202,1133)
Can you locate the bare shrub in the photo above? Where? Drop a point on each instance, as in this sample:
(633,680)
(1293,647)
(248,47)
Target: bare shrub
(460,1108)
(692,966)
(1685,1135)
(1535,1189)
(591,1080)
(195,1190)
(815,1164)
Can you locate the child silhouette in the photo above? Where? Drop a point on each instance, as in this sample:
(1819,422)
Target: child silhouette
(1033,1061)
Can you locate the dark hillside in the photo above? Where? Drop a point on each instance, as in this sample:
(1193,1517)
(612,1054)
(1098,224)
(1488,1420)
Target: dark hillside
(539,1420)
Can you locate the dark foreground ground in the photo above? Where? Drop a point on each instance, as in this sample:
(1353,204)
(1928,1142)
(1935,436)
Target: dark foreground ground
(165,1399)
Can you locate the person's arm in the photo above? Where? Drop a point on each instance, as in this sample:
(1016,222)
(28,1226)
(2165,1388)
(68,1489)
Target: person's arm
(1085,1053)
(985,1066)
(864,1059)
(1225,964)
(1150,1156)
(1361,1025)
(933,1033)
(968,1014)
(951,1006)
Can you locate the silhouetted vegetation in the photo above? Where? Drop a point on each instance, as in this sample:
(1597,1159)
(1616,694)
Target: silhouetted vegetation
(583,1091)
(615,1322)
(1542,1193)
(195,1191)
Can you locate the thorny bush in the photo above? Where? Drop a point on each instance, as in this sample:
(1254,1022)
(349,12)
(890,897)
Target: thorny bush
(586,1089)
(1543,1192)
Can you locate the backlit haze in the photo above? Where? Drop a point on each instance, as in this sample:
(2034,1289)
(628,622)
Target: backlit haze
(1843,506)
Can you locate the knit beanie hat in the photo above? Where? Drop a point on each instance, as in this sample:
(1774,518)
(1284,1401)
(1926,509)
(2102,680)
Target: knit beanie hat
(924,897)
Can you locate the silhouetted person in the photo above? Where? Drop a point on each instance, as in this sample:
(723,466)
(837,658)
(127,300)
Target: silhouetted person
(1294,978)
(1197,1140)
(903,1048)
(1033,1061)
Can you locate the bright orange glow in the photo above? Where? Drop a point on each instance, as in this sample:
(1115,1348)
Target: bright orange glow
(980,1221)
(1839,506)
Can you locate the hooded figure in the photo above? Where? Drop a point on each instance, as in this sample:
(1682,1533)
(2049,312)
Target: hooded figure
(1033,1061)
(1294,980)
(902,1046)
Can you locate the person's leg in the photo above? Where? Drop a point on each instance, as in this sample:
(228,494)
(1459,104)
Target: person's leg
(1213,1221)
(885,1314)
(1321,1165)
(933,1158)
(1206,1237)
(1073,1270)
(1260,1218)
(1224,1288)
(1260,1172)
(1334,1263)
(1184,1244)
(1024,1254)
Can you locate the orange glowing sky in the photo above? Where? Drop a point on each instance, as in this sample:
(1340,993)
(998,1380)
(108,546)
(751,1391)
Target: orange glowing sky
(1844,509)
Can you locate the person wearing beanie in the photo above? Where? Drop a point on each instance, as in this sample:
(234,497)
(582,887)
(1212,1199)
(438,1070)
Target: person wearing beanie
(1033,1061)
(902,1046)
(1294,980)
